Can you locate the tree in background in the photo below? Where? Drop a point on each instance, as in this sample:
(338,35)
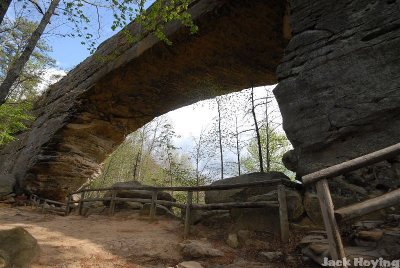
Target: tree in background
(237,127)
(15,68)
(278,144)
(160,163)
(153,150)
(14,35)
(15,113)
(201,154)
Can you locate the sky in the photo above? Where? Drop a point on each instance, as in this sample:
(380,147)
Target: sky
(68,51)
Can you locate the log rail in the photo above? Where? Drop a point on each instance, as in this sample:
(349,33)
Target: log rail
(330,216)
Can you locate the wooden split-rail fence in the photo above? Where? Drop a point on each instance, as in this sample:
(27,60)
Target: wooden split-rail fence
(48,205)
(332,217)
(280,203)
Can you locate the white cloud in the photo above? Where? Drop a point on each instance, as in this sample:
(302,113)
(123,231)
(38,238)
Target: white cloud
(51,76)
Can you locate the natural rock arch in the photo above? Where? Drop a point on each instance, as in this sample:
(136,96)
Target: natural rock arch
(338,85)
(82,118)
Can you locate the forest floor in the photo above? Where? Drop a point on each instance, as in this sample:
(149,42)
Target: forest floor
(124,240)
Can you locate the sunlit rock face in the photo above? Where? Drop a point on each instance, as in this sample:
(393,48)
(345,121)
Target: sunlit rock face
(82,118)
(339,82)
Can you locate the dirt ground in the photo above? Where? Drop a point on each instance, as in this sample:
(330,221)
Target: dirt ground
(125,240)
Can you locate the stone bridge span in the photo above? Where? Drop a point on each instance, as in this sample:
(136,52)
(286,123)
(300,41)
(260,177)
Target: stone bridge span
(82,118)
(337,65)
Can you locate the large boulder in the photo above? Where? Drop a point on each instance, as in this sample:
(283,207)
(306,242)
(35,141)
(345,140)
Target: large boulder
(255,219)
(18,248)
(242,194)
(160,210)
(294,201)
(138,193)
(192,249)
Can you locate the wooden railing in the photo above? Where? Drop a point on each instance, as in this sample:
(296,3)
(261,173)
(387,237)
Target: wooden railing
(59,207)
(325,200)
(189,206)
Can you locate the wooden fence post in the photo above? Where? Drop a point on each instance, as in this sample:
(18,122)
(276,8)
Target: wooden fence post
(112,203)
(331,227)
(153,205)
(81,202)
(187,215)
(283,214)
(44,202)
(68,205)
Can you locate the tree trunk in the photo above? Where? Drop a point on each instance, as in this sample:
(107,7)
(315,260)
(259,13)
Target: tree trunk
(220,139)
(267,136)
(19,64)
(197,168)
(3,9)
(253,111)
(237,145)
(139,157)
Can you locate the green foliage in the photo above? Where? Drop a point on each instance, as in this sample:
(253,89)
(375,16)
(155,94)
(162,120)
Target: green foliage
(149,156)
(278,145)
(12,120)
(124,12)
(15,113)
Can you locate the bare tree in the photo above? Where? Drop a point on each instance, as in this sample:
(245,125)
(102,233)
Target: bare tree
(139,154)
(219,102)
(201,156)
(257,130)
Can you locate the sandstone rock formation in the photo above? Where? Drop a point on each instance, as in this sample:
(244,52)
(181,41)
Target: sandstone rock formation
(242,194)
(338,85)
(18,248)
(82,118)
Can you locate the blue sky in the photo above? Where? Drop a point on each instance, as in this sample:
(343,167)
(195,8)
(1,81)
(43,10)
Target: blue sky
(68,51)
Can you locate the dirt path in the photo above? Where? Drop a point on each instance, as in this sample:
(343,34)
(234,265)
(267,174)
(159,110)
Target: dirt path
(125,240)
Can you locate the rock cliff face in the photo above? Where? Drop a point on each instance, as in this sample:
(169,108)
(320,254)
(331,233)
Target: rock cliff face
(81,119)
(339,89)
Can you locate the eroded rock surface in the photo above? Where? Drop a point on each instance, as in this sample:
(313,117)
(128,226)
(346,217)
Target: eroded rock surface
(242,194)
(339,85)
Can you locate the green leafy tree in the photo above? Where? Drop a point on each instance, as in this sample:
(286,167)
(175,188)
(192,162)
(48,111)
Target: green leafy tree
(15,113)
(13,118)
(14,35)
(278,145)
